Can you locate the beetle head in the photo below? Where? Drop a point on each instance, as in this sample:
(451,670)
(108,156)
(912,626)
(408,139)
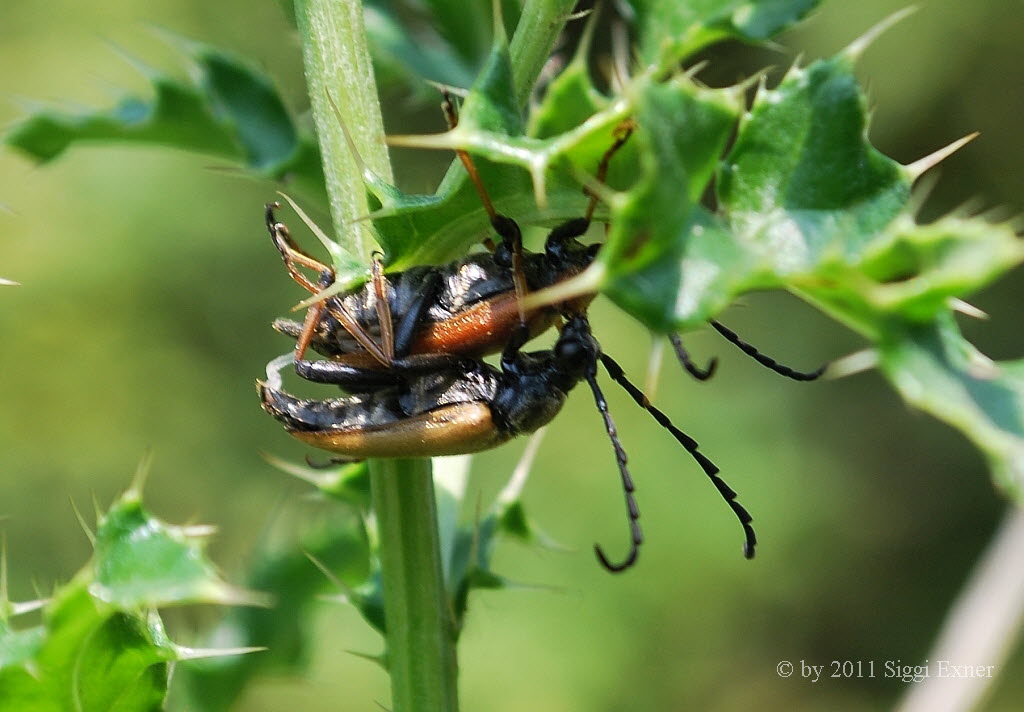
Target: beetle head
(576,352)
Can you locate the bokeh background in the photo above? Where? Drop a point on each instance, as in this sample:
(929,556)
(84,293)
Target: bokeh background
(148,285)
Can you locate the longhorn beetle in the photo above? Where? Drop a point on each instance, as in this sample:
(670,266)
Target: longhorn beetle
(466,405)
(468,307)
(390,337)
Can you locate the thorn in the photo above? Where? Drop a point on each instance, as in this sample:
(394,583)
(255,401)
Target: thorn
(198,531)
(336,288)
(539,178)
(922,190)
(332,246)
(594,187)
(348,135)
(318,479)
(969,208)
(620,54)
(654,366)
(691,72)
(373,659)
(792,71)
(231,596)
(139,478)
(451,473)
(149,72)
(328,574)
(586,38)
(963,307)
(579,15)
(857,47)
(854,363)
(18,609)
(997,214)
(9,283)
(447,141)
(514,487)
(442,88)
(82,523)
(185,653)
(921,165)
(586,282)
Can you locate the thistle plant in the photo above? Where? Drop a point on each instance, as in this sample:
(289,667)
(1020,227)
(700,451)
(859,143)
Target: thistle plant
(800,201)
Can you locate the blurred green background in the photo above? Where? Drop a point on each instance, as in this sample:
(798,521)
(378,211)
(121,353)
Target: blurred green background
(148,286)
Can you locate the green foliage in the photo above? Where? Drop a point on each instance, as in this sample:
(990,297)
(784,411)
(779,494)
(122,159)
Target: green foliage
(287,575)
(101,644)
(936,370)
(671,30)
(802,202)
(231,111)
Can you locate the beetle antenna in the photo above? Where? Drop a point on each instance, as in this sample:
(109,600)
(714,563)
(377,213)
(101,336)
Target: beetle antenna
(767,361)
(506,227)
(710,469)
(701,374)
(633,511)
(621,134)
(451,118)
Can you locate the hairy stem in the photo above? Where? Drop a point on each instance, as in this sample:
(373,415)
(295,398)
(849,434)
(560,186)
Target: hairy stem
(420,632)
(539,27)
(420,639)
(338,68)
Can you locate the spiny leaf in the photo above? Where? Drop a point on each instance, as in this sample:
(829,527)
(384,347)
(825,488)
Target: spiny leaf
(101,645)
(913,272)
(682,130)
(936,370)
(802,181)
(284,628)
(143,562)
(670,30)
(231,112)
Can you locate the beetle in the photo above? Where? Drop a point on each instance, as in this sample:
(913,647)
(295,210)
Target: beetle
(446,405)
(468,307)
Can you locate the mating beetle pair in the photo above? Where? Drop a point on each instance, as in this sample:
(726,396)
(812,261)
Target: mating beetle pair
(406,347)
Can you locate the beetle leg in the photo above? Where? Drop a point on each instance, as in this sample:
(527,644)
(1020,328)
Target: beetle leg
(294,256)
(383,307)
(308,329)
(578,226)
(510,354)
(690,445)
(354,378)
(767,361)
(432,363)
(351,378)
(701,374)
(414,315)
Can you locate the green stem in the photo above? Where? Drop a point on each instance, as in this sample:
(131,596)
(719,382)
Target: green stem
(536,33)
(420,631)
(420,637)
(337,63)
